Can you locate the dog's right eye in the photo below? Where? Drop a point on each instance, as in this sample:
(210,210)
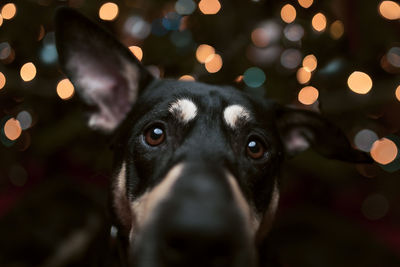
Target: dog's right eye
(154,135)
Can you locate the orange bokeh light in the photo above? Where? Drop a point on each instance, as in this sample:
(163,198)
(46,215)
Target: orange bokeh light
(305,3)
(384,151)
(187,78)
(359,82)
(2,80)
(209,7)
(308,95)
(303,75)
(319,22)
(137,51)
(108,11)
(12,129)
(288,13)
(203,52)
(28,72)
(8,11)
(398,93)
(389,10)
(65,89)
(213,63)
(310,62)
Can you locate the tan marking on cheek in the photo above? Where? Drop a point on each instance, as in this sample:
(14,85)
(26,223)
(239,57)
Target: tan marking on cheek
(144,206)
(269,215)
(234,113)
(120,200)
(250,216)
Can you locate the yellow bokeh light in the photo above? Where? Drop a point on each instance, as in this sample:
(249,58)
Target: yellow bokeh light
(108,11)
(137,51)
(310,63)
(303,75)
(209,7)
(319,22)
(65,89)
(398,93)
(308,95)
(2,80)
(187,78)
(28,72)
(288,13)
(203,52)
(1,19)
(384,151)
(8,11)
(359,82)
(337,29)
(12,129)
(305,3)
(213,63)
(389,10)
(260,37)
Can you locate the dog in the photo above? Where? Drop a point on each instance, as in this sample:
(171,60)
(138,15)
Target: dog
(196,169)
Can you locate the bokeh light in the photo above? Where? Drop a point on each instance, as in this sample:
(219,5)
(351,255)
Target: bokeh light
(209,7)
(25,119)
(310,62)
(308,95)
(389,10)
(364,139)
(393,56)
(398,93)
(303,75)
(203,52)
(319,22)
(5,50)
(337,29)
(8,11)
(305,3)
(254,77)
(290,58)
(260,37)
(185,7)
(293,32)
(2,80)
(1,20)
(375,206)
(187,78)
(12,129)
(137,27)
(213,63)
(359,82)
(288,13)
(137,51)
(108,11)
(28,72)
(65,89)
(384,151)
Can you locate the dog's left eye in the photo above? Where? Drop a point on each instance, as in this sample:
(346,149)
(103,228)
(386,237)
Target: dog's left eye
(255,149)
(154,135)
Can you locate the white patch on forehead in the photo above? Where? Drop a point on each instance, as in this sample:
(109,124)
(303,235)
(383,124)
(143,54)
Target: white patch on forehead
(143,207)
(250,216)
(183,109)
(234,113)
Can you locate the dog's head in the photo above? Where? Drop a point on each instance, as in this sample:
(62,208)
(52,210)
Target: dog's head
(195,179)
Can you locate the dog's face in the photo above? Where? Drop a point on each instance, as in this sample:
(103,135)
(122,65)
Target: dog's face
(196,165)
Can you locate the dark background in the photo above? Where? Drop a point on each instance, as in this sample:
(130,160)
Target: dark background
(54,177)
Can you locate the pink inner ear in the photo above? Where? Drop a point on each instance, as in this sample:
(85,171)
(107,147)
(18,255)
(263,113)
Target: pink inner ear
(295,141)
(111,91)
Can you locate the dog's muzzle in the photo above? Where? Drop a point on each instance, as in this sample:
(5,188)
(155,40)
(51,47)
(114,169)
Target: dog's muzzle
(198,222)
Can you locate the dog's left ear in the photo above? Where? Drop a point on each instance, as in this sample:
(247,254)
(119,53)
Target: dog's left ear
(105,73)
(301,129)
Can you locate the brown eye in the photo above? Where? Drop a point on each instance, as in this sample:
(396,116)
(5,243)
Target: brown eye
(154,136)
(255,149)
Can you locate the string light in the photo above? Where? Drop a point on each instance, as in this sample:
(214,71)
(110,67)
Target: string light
(213,63)
(28,72)
(209,7)
(319,22)
(108,11)
(398,93)
(137,51)
(8,11)
(308,95)
(12,129)
(303,75)
(65,89)
(384,151)
(187,78)
(310,62)
(337,29)
(2,80)
(305,3)
(203,52)
(359,82)
(389,10)
(288,13)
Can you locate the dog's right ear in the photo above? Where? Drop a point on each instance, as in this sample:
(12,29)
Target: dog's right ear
(106,75)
